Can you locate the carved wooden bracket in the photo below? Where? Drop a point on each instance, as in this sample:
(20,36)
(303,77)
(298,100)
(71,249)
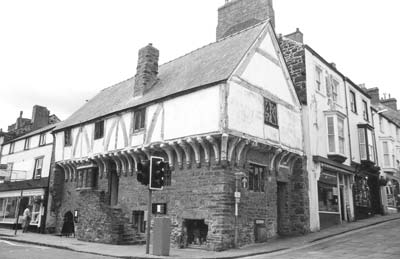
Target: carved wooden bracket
(178,152)
(215,146)
(206,149)
(170,153)
(196,148)
(231,147)
(186,150)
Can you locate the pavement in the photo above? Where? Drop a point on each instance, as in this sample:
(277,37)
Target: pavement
(277,245)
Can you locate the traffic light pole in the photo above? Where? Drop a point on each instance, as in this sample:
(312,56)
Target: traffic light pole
(148,223)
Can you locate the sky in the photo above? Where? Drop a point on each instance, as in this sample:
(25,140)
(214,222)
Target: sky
(60,53)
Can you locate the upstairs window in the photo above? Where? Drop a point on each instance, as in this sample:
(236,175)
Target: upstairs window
(318,78)
(27,143)
(139,118)
(99,130)
(381,124)
(270,113)
(42,139)
(398,134)
(67,138)
(386,154)
(366,142)
(37,172)
(353,103)
(12,146)
(336,135)
(335,89)
(365,111)
(257,177)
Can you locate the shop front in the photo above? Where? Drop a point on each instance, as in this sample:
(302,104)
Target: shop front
(391,195)
(334,196)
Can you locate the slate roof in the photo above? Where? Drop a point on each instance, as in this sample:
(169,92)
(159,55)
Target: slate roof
(389,114)
(208,65)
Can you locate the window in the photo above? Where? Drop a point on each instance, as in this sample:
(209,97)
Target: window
(318,77)
(37,172)
(99,129)
(12,146)
(328,199)
(42,139)
(341,135)
(27,143)
(138,221)
(67,138)
(365,111)
(381,124)
(270,113)
(257,178)
(331,135)
(366,142)
(353,103)
(139,118)
(87,177)
(328,86)
(386,154)
(398,134)
(335,88)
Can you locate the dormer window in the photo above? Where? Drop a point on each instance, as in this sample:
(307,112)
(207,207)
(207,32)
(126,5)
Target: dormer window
(99,130)
(366,141)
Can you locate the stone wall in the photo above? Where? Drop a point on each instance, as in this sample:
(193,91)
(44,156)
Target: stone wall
(294,55)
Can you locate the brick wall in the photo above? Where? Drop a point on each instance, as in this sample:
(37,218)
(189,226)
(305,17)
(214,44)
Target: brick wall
(294,55)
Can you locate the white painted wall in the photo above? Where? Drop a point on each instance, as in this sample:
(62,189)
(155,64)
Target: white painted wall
(196,113)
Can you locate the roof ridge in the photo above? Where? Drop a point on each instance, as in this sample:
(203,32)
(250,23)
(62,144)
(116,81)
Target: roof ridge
(217,41)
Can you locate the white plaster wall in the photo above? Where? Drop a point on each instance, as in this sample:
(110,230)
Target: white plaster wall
(246,115)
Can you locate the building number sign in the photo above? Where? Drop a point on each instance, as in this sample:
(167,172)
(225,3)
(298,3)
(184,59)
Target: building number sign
(270,113)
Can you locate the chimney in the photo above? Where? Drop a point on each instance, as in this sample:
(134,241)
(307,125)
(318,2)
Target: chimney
(390,102)
(40,117)
(374,93)
(296,36)
(237,15)
(146,71)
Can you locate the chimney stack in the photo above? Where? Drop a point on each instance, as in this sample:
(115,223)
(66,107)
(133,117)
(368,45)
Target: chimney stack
(374,93)
(296,36)
(40,117)
(146,71)
(390,102)
(237,15)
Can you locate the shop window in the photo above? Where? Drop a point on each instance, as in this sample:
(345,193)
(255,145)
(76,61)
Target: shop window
(366,142)
(10,207)
(37,172)
(2,208)
(42,139)
(270,113)
(67,137)
(361,192)
(27,143)
(99,130)
(257,175)
(139,118)
(353,102)
(138,221)
(328,193)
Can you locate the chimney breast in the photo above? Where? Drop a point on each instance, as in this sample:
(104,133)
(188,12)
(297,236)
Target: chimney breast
(147,70)
(237,15)
(40,117)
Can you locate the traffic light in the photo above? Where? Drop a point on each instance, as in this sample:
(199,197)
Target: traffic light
(157,172)
(143,170)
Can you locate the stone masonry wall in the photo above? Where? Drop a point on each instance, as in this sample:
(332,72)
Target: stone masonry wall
(294,55)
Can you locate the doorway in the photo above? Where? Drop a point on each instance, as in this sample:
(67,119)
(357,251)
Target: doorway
(114,185)
(282,208)
(195,232)
(68,225)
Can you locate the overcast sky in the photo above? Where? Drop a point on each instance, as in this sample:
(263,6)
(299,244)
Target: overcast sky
(60,53)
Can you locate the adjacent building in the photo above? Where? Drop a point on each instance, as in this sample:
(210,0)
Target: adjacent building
(25,166)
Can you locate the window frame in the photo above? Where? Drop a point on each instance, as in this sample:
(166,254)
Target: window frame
(27,143)
(68,141)
(335,136)
(335,90)
(35,168)
(271,109)
(369,142)
(11,148)
(98,130)
(318,77)
(365,110)
(140,115)
(353,101)
(42,139)
(257,177)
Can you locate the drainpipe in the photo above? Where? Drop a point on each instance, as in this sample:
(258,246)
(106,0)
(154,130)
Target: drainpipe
(348,120)
(238,177)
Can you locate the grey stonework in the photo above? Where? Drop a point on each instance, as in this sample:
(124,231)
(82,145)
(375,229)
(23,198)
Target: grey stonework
(294,55)
(205,193)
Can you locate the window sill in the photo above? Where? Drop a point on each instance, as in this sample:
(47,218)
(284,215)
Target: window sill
(138,132)
(340,158)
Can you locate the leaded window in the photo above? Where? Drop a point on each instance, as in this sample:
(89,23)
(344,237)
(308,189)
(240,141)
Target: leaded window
(257,175)
(270,113)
